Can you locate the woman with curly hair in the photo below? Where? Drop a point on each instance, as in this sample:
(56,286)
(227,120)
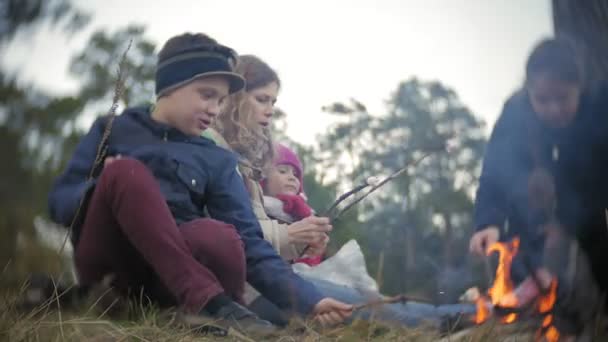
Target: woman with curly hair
(244,127)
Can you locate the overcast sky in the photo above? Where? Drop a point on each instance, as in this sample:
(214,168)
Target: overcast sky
(330,50)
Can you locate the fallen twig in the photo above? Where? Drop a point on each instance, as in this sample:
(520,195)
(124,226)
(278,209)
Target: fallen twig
(388,300)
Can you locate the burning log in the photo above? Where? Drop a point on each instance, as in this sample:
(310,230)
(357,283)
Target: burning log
(506,300)
(562,294)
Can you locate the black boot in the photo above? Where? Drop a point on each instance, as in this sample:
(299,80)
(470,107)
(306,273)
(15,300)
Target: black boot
(229,316)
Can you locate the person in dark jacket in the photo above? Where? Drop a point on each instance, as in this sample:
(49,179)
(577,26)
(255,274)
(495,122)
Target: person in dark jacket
(555,127)
(145,221)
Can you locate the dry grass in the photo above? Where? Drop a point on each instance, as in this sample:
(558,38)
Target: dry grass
(137,322)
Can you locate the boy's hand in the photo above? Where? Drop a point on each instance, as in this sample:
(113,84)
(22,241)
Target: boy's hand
(330,312)
(483,239)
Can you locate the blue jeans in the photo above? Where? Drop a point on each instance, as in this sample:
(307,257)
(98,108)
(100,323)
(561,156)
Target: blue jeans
(409,314)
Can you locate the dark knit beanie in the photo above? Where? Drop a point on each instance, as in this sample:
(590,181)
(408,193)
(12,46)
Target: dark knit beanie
(194,60)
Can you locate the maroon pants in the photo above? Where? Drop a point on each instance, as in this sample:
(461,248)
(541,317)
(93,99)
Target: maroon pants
(129,232)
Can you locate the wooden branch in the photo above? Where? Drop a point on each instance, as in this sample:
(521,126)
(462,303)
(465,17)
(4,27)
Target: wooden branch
(388,300)
(334,217)
(344,196)
(384,181)
(102,148)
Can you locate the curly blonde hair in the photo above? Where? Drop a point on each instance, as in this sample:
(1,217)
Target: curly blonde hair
(237,123)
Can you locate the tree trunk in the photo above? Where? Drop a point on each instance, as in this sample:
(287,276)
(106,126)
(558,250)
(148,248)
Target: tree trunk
(449,230)
(409,236)
(586,23)
(448,254)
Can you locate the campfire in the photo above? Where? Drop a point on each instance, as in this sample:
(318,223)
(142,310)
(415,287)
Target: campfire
(503,299)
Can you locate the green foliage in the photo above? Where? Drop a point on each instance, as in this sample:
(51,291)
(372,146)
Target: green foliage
(38,132)
(421,221)
(28,130)
(95,67)
(26,15)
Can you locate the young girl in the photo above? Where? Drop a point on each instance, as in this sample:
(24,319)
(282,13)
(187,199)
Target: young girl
(284,199)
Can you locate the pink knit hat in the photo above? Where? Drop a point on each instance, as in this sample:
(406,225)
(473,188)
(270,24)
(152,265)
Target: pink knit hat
(286,156)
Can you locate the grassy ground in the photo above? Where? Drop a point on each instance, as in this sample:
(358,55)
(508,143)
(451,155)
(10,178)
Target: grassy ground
(136,322)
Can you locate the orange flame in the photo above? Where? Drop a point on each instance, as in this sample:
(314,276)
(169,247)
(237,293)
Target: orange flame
(482,310)
(503,285)
(552,335)
(547,301)
(547,321)
(545,304)
(509,300)
(510,318)
(501,292)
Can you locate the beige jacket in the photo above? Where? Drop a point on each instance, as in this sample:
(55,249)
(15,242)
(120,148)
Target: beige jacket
(274,231)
